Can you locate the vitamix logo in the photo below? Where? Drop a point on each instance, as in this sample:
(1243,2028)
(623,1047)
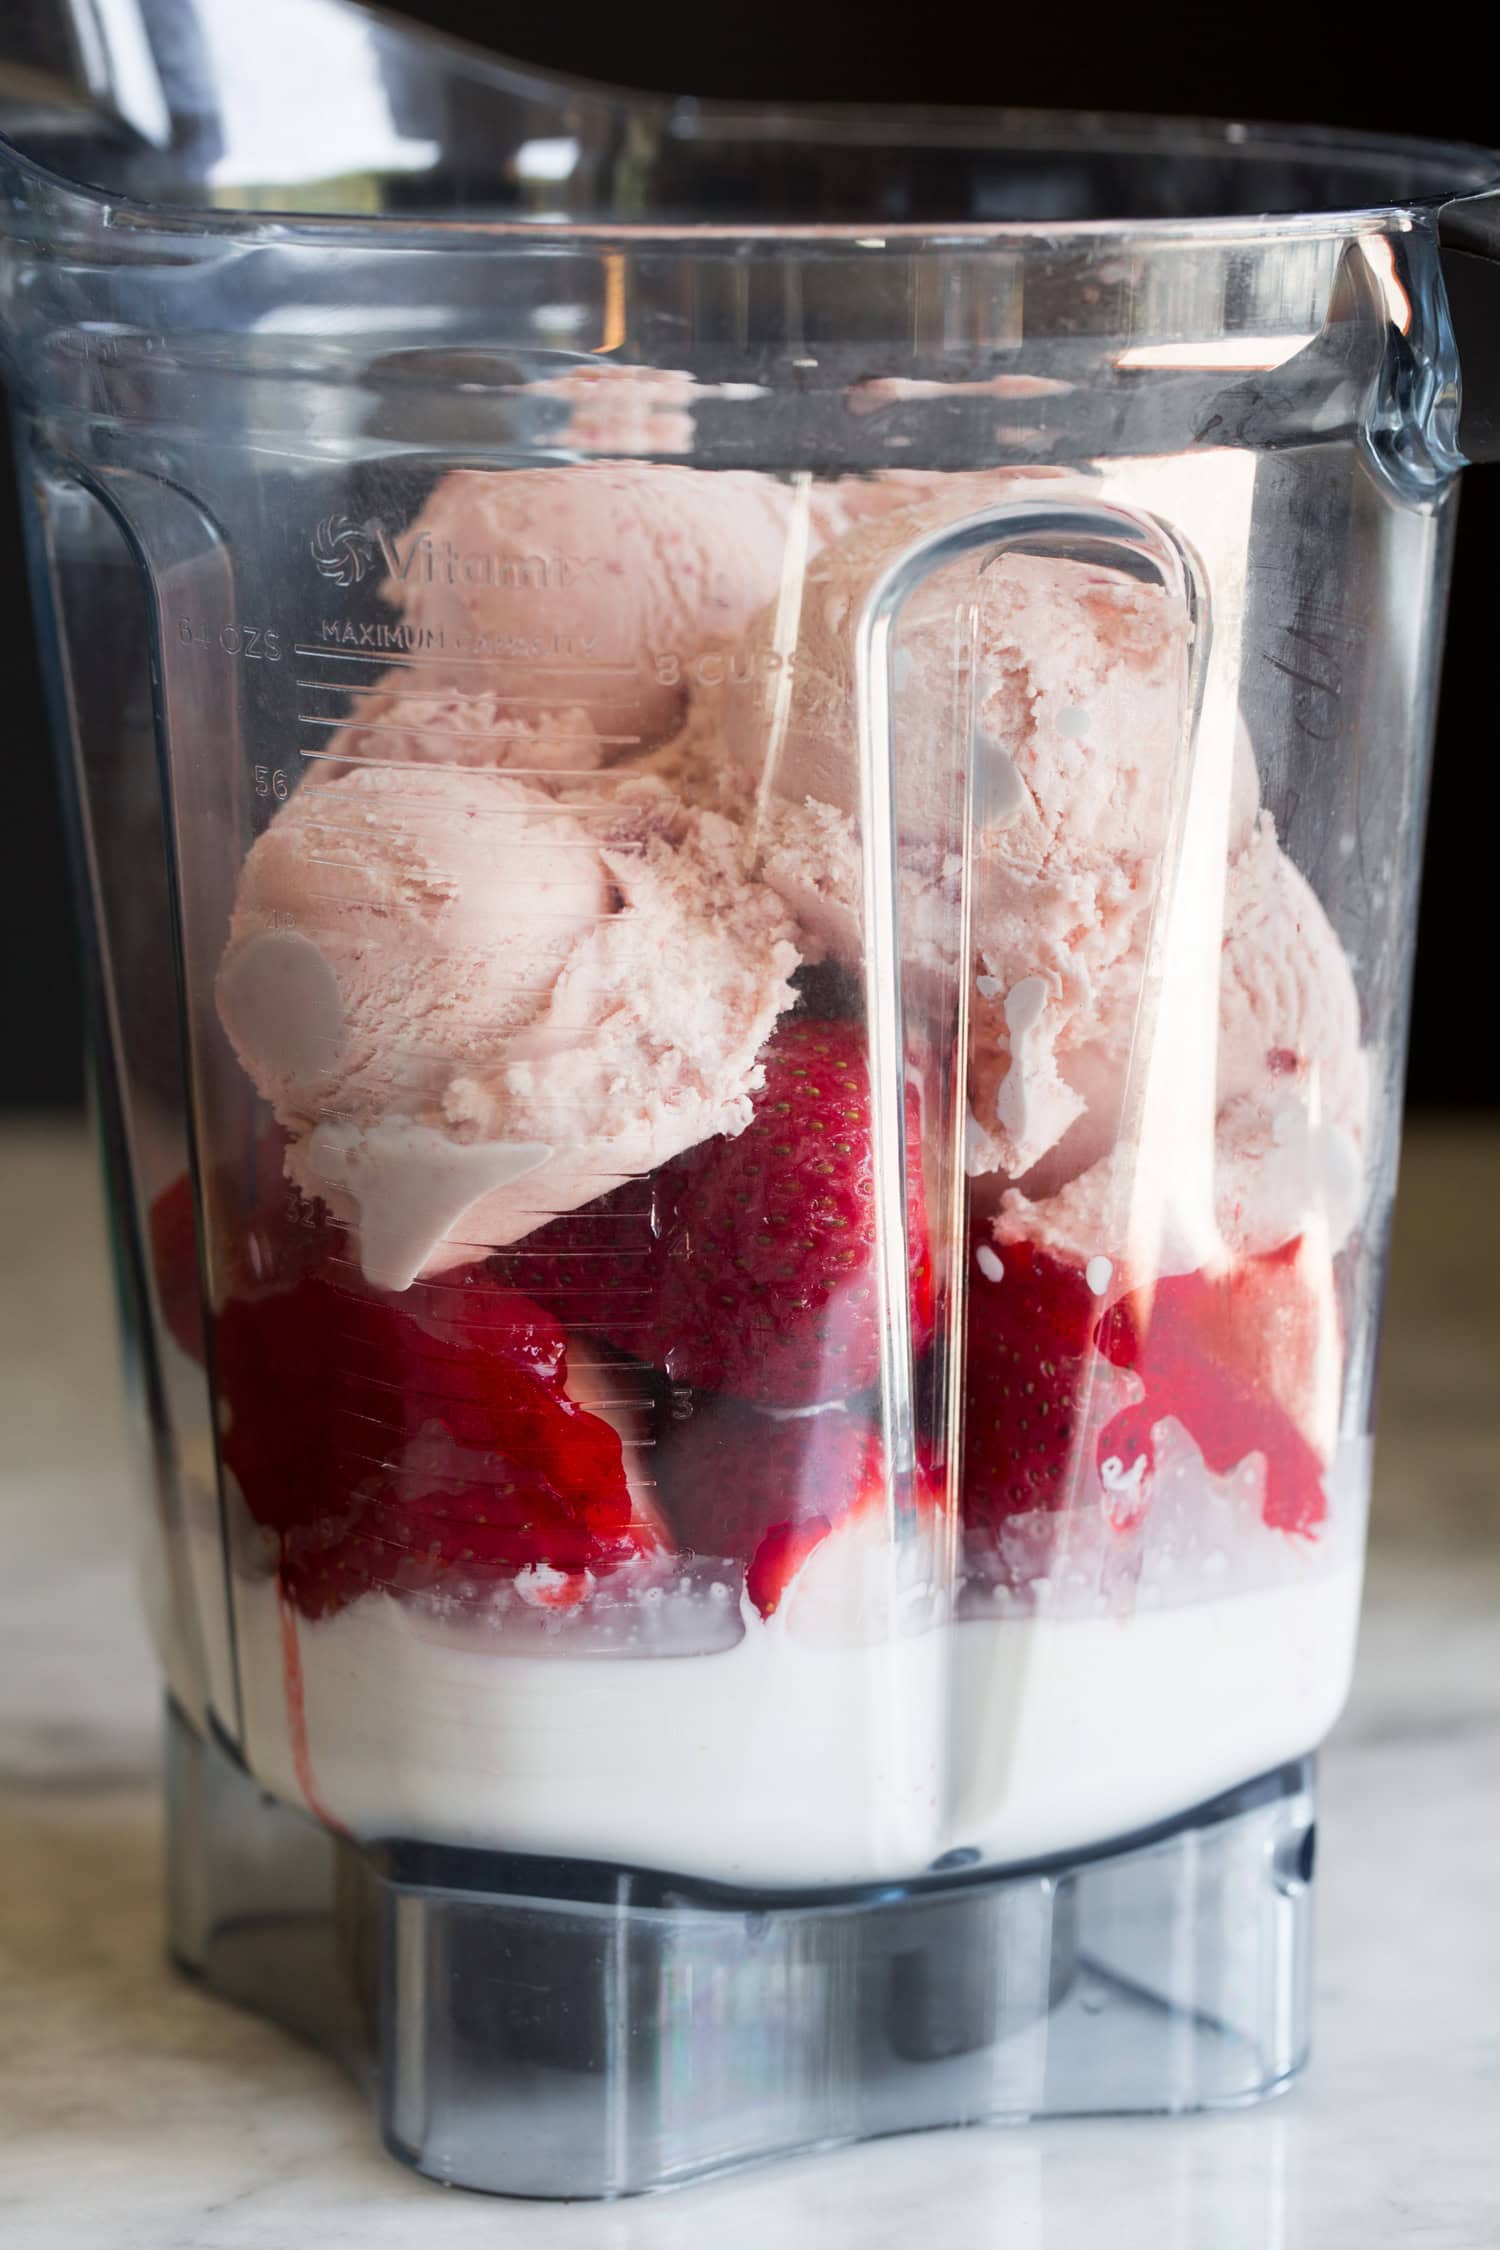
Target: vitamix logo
(344,552)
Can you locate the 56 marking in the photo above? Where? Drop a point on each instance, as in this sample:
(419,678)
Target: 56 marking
(270,781)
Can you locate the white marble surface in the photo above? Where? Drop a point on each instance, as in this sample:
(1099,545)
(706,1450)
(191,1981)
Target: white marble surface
(136,2114)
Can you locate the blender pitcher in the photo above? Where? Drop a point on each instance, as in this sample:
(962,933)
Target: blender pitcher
(748,792)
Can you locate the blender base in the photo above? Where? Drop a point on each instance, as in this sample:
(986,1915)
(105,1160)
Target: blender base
(565,2028)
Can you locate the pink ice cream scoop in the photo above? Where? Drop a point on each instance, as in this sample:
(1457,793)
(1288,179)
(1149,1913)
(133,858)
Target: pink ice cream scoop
(614,585)
(1064,661)
(403,721)
(1071,678)
(1290,1095)
(474,1005)
(610,584)
(1294,1081)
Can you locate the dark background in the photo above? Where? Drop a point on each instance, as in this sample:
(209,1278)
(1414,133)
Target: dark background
(1353,67)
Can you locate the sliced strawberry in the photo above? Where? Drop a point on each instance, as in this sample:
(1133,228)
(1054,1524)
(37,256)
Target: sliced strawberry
(416,1441)
(262,1232)
(1272,1324)
(748,1264)
(1208,1352)
(765,1492)
(172,1235)
(779,1557)
(1200,1348)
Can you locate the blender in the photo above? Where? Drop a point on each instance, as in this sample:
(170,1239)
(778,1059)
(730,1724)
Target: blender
(747,789)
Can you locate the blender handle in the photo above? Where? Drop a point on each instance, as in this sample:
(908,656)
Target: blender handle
(1099,531)
(1469,254)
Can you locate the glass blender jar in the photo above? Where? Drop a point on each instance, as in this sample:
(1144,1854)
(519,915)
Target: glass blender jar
(748,791)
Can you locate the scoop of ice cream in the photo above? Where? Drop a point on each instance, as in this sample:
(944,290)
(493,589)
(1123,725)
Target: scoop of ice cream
(602,582)
(474,1007)
(1293,1081)
(401,721)
(1291,1093)
(1072,677)
(1064,661)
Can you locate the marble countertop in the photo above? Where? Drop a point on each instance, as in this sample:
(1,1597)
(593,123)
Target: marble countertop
(138,2114)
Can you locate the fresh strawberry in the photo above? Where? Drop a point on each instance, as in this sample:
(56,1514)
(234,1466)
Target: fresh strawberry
(747,1265)
(596,1268)
(416,1441)
(260,1229)
(1205,1371)
(764,1273)
(1202,1348)
(1029,1342)
(765,1492)
(172,1235)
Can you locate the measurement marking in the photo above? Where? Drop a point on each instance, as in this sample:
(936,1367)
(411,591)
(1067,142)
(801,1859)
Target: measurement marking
(589,1328)
(353,1414)
(598,1251)
(514,773)
(362,835)
(594,1218)
(468,734)
(403,660)
(345,820)
(540,1211)
(358,725)
(374,1461)
(491,1249)
(412,1391)
(468,953)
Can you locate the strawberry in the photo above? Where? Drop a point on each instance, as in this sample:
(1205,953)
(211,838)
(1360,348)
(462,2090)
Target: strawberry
(259,1227)
(765,1492)
(595,1268)
(1204,1349)
(172,1239)
(747,1264)
(416,1442)
(1030,1337)
(1206,1369)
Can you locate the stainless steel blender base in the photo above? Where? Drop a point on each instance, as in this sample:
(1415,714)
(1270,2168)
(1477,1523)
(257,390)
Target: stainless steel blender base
(565,2028)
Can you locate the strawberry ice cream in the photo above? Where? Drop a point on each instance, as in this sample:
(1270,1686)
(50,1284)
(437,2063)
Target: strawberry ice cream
(1068,664)
(1077,676)
(1290,1099)
(616,584)
(403,721)
(473,1006)
(603,582)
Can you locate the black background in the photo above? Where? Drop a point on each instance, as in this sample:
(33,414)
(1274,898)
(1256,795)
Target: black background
(1347,66)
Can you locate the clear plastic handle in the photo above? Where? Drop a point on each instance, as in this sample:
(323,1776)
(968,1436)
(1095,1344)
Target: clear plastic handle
(1182,962)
